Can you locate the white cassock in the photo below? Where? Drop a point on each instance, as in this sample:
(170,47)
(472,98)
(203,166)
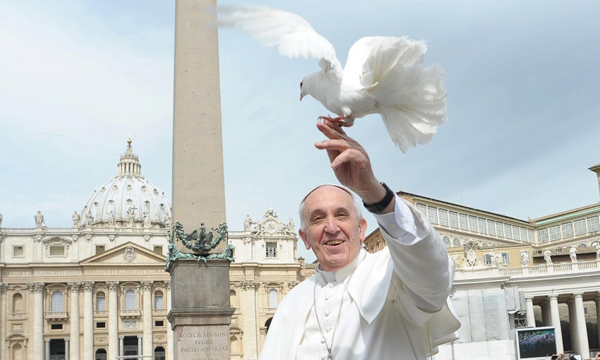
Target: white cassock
(389,305)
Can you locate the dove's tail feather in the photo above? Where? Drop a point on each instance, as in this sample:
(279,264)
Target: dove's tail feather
(413,103)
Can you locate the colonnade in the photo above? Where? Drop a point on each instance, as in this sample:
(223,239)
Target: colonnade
(41,344)
(551,317)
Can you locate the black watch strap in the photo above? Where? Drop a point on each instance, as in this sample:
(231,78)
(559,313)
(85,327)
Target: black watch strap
(380,206)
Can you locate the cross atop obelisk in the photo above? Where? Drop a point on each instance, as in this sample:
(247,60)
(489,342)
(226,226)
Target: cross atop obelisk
(200,312)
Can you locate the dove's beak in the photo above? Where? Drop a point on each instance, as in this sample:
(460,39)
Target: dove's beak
(301,96)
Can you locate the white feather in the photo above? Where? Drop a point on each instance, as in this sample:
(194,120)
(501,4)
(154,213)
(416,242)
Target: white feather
(383,75)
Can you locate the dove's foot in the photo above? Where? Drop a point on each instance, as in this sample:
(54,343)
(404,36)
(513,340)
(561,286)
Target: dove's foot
(340,120)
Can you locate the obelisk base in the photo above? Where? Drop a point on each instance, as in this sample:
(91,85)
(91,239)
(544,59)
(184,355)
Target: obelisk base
(200,312)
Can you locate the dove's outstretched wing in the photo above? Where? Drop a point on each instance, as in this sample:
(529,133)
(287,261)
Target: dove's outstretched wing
(410,98)
(292,34)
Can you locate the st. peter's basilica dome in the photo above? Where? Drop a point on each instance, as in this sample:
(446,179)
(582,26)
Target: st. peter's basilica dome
(127,200)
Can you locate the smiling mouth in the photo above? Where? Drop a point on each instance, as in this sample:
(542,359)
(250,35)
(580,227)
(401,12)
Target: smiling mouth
(333,242)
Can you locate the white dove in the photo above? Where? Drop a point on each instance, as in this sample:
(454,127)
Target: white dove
(383,75)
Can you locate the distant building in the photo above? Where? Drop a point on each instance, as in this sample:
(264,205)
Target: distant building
(98,289)
(512,273)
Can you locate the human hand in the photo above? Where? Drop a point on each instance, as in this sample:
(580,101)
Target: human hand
(350,162)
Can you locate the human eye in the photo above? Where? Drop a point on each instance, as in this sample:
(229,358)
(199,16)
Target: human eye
(316,218)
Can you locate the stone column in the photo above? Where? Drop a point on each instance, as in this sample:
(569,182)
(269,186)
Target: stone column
(147,303)
(139,345)
(584,346)
(530,314)
(37,293)
(67,349)
(169,349)
(573,325)
(198,186)
(598,314)
(555,321)
(3,310)
(73,352)
(88,320)
(113,319)
(250,326)
(47,352)
(121,339)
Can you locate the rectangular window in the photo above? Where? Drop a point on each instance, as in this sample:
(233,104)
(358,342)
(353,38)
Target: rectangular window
(487,259)
(443,217)
(554,233)
(159,323)
(432,214)
(453,220)
(482,227)
(18,251)
(491,227)
(57,251)
(508,231)
(523,234)
(100,249)
(464,222)
(567,229)
(543,235)
(580,227)
(530,236)
(100,325)
(472,223)
(158,249)
(422,208)
(56,326)
(500,229)
(592,224)
(271,250)
(505,258)
(516,233)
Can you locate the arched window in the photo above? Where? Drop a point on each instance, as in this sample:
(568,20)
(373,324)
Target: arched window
(17,303)
(129,300)
(456,242)
(447,241)
(158,300)
(57,302)
(100,301)
(159,353)
(100,354)
(273,299)
(232,298)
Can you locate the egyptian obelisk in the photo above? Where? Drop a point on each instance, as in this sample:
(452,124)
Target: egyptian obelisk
(200,312)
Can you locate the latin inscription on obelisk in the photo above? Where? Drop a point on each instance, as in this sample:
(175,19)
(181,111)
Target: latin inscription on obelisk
(205,343)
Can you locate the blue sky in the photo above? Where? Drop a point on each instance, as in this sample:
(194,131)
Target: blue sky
(79,78)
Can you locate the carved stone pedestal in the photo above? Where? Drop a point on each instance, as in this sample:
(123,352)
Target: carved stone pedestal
(200,311)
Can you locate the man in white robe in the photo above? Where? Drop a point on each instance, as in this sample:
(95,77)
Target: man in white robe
(390,305)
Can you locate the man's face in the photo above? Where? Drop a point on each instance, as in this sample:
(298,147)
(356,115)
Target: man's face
(332,228)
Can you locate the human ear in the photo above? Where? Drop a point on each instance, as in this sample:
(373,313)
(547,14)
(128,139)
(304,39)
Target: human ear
(303,237)
(362,228)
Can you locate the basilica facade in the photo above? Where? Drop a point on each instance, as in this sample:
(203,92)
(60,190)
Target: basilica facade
(515,274)
(99,290)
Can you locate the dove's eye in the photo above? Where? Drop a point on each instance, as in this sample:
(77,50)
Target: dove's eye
(300,85)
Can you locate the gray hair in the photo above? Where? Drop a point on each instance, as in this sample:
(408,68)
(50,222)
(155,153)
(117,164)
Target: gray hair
(357,206)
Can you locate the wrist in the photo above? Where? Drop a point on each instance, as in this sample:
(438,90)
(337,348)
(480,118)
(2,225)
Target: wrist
(378,201)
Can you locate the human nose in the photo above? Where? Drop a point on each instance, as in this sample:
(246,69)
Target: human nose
(331,226)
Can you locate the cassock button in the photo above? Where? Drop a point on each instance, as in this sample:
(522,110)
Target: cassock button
(327,313)
(328,329)
(330,285)
(327,297)
(323,356)
(322,340)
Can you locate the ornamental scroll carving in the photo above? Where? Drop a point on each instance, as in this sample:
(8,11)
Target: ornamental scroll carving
(146,285)
(168,285)
(35,287)
(129,253)
(87,286)
(74,287)
(112,285)
(250,285)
